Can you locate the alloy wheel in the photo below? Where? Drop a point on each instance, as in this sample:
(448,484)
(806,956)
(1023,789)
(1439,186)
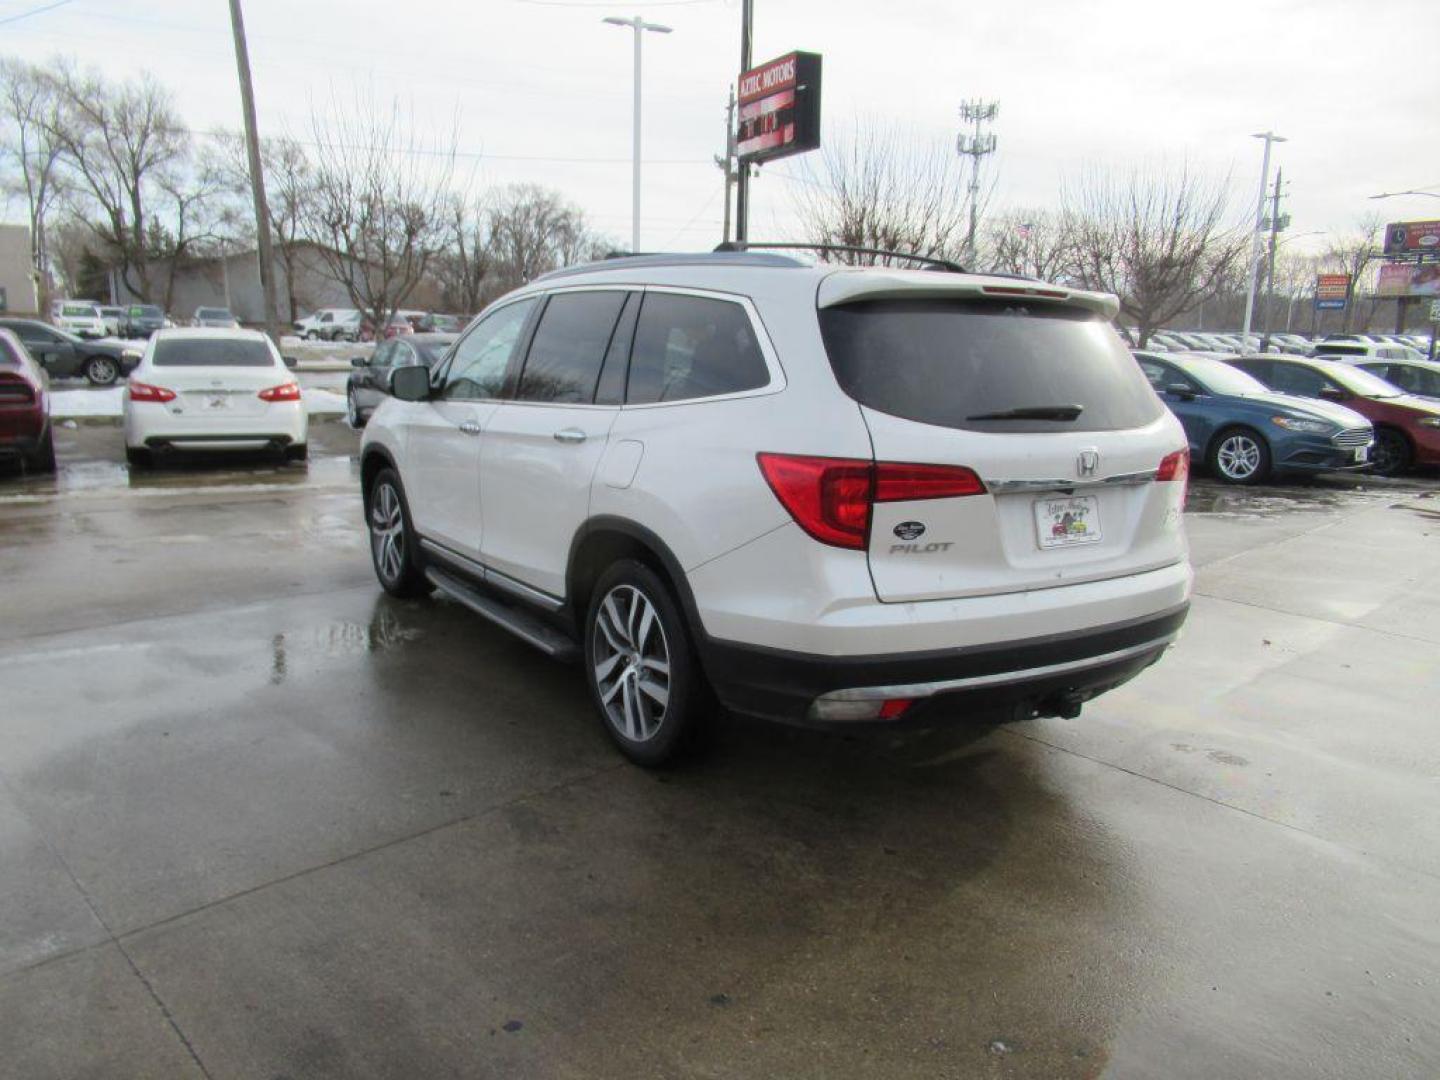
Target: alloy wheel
(631,662)
(101,370)
(352,409)
(387,532)
(1238,457)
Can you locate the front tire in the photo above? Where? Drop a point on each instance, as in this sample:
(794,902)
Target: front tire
(1240,456)
(352,410)
(1392,454)
(640,665)
(392,539)
(101,370)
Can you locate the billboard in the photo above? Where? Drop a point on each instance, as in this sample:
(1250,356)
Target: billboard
(1412,238)
(1331,291)
(1408,279)
(779,108)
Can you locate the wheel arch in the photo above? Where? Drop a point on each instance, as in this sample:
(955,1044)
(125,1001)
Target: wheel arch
(375,459)
(602,540)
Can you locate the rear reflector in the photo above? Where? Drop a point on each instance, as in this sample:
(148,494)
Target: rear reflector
(289,391)
(828,709)
(895,708)
(831,498)
(140,391)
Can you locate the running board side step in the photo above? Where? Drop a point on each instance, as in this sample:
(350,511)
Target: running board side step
(528,628)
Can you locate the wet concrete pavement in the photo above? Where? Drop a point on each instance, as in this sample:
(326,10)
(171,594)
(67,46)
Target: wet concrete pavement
(258,820)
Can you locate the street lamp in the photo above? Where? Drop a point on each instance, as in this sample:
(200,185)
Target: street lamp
(1397,194)
(1269,137)
(639,25)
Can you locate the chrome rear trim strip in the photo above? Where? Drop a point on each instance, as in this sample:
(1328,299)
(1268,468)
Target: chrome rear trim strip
(1002,487)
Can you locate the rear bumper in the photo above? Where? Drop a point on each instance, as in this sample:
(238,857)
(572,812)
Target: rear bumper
(1039,676)
(153,426)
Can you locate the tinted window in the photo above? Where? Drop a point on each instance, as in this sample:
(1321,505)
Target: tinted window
(212,352)
(947,362)
(691,347)
(403,356)
(381,357)
(430,351)
(1162,376)
(1295,379)
(569,346)
(611,388)
(477,370)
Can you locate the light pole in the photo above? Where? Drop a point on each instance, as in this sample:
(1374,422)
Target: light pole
(1398,194)
(639,25)
(1255,240)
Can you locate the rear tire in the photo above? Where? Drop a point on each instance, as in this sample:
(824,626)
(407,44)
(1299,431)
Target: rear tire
(138,458)
(297,453)
(1393,453)
(1239,455)
(640,664)
(393,549)
(43,459)
(101,370)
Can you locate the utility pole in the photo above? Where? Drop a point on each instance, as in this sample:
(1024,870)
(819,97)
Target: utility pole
(257,174)
(727,163)
(742,180)
(639,25)
(1270,138)
(976,144)
(1276,224)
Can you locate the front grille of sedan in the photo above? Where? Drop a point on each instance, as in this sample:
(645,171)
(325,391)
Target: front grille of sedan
(1356,436)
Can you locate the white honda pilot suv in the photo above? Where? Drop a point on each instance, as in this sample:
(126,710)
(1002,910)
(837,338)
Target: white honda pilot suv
(821,494)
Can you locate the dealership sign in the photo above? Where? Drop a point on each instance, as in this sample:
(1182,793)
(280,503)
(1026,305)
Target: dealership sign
(1408,279)
(1331,291)
(1413,238)
(779,108)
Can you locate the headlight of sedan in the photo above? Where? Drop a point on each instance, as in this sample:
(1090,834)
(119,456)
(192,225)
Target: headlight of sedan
(1310,427)
(1430,421)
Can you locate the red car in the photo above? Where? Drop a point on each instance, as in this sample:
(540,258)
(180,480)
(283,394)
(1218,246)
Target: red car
(1407,428)
(24,408)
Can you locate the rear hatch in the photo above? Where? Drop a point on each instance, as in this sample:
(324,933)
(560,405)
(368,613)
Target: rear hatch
(1032,390)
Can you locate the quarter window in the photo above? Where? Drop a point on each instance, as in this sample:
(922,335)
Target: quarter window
(692,347)
(477,370)
(563,365)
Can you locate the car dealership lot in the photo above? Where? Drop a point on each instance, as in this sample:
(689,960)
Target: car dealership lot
(258,819)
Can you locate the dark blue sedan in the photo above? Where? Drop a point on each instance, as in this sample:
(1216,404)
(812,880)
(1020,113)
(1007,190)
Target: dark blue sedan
(1244,431)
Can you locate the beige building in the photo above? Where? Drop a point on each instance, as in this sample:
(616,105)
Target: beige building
(17,287)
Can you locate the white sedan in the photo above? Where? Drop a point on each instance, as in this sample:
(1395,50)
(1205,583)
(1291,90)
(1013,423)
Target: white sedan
(202,389)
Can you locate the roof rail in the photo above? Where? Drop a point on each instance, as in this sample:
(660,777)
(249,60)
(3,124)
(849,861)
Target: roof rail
(931,263)
(616,260)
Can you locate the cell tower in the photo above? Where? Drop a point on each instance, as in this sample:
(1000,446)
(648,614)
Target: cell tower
(976,144)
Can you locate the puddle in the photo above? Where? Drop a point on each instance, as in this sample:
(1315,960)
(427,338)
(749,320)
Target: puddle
(337,639)
(1301,497)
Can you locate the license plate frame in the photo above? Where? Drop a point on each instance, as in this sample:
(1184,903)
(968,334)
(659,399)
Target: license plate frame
(1063,521)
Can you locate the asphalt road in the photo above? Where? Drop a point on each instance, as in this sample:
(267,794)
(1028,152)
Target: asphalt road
(258,820)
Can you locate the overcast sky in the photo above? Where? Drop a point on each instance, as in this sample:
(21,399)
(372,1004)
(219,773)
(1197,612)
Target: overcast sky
(542,88)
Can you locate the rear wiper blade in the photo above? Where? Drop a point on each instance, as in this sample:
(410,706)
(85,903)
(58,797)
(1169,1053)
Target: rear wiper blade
(1034,412)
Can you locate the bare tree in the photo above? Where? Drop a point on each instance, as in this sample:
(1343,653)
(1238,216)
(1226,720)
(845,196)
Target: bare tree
(1161,241)
(1352,254)
(876,188)
(31,115)
(121,142)
(461,269)
(533,230)
(380,203)
(290,193)
(1030,242)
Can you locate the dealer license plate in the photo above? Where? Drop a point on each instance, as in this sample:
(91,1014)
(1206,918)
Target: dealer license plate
(1066,521)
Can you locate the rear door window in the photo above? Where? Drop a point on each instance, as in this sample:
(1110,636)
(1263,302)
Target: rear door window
(212,352)
(952,363)
(568,349)
(689,347)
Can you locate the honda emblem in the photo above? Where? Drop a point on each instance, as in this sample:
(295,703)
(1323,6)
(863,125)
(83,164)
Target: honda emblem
(1088,463)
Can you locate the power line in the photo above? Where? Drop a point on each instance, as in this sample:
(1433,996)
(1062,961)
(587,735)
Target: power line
(35,11)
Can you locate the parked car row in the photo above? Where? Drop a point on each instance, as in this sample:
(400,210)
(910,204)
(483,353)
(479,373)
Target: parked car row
(1390,346)
(349,324)
(63,355)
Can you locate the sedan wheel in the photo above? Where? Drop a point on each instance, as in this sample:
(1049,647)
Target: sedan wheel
(352,410)
(101,370)
(631,661)
(1240,457)
(1391,453)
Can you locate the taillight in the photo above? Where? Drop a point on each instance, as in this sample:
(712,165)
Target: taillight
(289,391)
(831,498)
(15,391)
(1174,466)
(140,391)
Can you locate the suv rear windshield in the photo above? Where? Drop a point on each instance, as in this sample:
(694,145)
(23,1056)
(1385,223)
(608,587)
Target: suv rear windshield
(946,362)
(214,352)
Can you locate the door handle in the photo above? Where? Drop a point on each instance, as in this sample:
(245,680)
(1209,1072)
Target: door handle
(470,427)
(570,435)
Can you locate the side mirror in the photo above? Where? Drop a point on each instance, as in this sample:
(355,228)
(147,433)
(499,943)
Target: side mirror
(1333,393)
(411,383)
(1180,390)
(290,362)
(360,361)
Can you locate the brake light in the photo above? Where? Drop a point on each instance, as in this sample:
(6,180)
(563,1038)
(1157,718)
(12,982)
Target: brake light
(289,391)
(140,391)
(1174,466)
(1023,290)
(831,498)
